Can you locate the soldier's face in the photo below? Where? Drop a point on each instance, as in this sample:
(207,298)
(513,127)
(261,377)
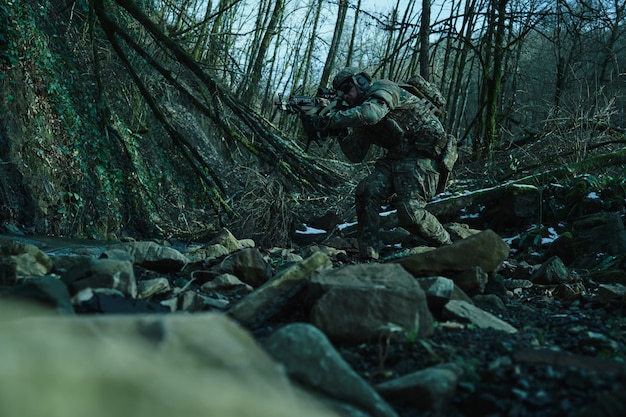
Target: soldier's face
(351,95)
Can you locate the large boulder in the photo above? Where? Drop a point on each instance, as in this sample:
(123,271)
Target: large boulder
(486,250)
(359,303)
(142,366)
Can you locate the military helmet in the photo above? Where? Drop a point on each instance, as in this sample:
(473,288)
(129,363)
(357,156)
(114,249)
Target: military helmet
(353,75)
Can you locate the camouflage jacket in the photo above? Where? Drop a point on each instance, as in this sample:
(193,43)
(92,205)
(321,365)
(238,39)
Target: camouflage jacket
(392,118)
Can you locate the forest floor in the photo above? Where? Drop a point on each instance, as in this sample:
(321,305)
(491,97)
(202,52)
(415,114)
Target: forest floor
(565,357)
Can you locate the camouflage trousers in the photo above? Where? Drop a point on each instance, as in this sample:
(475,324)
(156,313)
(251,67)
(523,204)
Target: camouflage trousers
(414,181)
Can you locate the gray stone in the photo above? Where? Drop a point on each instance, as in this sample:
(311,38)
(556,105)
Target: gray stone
(428,389)
(102,273)
(486,250)
(151,255)
(150,287)
(223,282)
(48,290)
(463,311)
(199,364)
(358,303)
(22,260)
(551,272)
(248,265)
(440,290)
(269,299)
(310,358)
(472,280)
(227,240)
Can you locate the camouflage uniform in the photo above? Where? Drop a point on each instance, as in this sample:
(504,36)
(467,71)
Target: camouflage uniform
(413,137)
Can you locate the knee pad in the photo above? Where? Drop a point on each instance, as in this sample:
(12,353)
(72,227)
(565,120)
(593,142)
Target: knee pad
(408,216)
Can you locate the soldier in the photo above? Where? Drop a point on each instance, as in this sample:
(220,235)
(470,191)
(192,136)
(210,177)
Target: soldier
(384,114)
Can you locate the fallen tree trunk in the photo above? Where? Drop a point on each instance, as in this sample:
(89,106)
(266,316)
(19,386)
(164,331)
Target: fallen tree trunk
(452,205)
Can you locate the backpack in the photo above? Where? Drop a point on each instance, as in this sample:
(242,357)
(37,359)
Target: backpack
(434,101)
(427,92)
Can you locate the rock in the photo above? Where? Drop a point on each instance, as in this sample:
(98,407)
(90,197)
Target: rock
(331,252)
(460,231)
(22,260)
(224,282)
(440,290)
(598,233)
(208,252)
(569,291)
(463,311)
(142,366)
(152,256)
(310,358)
(428,389)
(490,300)
(227,240)
(212,303)
(150,287)
(189,301)
(608,276)
(472,280)
(357,303)
(269,299)
(485,249)
(102,273)
(563,247)
(248,265)
(284,256)
(551,272)
(512,284)
(48,291)
(518,204)
(610,292)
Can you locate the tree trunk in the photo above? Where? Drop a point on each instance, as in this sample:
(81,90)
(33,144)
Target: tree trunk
(425,40)
(334,45)
(495,83)
(353,36)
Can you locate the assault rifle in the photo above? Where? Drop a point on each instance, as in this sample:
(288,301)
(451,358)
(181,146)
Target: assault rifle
(306,107)
(297,104)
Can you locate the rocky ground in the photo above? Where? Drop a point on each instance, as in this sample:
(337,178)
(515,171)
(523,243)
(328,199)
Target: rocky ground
(547,338)
(567,356)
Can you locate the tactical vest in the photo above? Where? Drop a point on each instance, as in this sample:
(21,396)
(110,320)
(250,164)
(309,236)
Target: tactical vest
(411,125)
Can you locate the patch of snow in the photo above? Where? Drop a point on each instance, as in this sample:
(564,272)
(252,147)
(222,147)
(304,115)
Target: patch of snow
(509,240)
(346,225)
(553,236)
(471,215)
(310,231)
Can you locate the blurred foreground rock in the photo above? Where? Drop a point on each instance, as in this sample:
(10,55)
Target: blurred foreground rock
(140,366)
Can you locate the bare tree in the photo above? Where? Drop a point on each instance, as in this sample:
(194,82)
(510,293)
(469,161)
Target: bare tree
(329,64)
(355,26)
(424,55)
